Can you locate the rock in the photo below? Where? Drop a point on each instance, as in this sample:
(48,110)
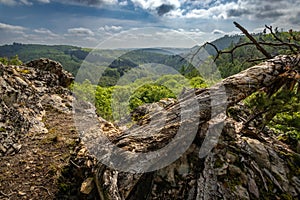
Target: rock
(231,157)
(241,193)
(87,186)
(258,151)
(21,81)
(279,169)
(2,148)
(296,183)
(25,92)
(64,78)
(222,170)
(21,193)
(17,147)
(252,187)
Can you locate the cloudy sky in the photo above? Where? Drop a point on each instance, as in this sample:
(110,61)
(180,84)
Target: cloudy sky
(138,23)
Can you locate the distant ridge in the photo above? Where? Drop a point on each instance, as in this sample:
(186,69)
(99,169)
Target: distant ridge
(71,57)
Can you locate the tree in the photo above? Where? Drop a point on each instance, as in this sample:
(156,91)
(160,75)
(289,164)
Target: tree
(243,162)
(12,61)
(238,165)
(15,60)
(149,93)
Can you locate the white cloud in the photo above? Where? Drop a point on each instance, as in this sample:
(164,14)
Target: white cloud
(160,6)
(217,32)
(11,28)
(111,28)
(80,32)
(155,37)
(8,2)
(11,33)
(95,3)
(45,31)
(215,12)
(123,3)
(43,1)
(176,13)
(110,1)
(153,4)
(21,2)
(281,13)
(26,2)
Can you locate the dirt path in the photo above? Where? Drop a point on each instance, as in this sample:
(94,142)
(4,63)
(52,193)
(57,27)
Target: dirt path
(35,171)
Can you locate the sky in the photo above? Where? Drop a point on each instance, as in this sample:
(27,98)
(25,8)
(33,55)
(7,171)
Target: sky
(139,23)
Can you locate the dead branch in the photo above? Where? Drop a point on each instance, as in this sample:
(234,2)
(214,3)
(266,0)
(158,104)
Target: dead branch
(228,51)
(258,46)
(290,45)
(295,48)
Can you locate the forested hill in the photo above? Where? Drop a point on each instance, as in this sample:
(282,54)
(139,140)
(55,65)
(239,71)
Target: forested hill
(116,62)
(71,57)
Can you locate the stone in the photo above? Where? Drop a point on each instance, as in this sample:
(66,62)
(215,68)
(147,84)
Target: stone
(2,148)
(231,157)
(17,147)
(252,187)
(241,192)
(23,89)
(21,193)
(21,81)
(87,186)
(258,151)
(64,78)
(296,183)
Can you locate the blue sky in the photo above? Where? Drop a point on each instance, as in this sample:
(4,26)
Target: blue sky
(138,23)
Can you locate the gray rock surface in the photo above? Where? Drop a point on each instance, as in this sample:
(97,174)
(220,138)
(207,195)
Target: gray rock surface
(24,90)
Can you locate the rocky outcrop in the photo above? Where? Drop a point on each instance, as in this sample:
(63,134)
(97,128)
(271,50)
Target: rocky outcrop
(24,92)
(222,157)
(57,75)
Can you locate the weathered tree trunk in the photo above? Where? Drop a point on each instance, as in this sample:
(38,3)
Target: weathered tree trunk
(224,160)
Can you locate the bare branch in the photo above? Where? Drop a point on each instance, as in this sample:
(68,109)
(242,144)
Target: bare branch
(295,48)
(258,46)
(215,47)
(229,51)
(282,42)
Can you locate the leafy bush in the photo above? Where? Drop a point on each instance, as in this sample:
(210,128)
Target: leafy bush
(149,93)
(280,112)
(11,61)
